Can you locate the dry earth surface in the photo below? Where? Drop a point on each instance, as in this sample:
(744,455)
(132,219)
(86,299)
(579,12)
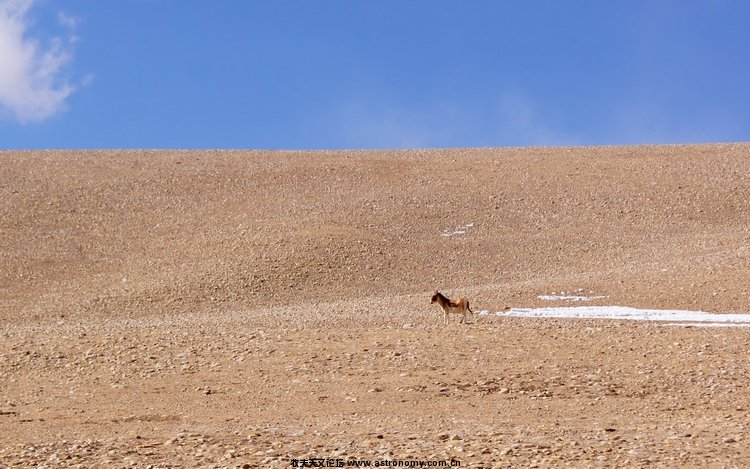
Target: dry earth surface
(257,309)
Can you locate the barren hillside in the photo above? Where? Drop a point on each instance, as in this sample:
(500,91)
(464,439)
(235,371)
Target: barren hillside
(182,308)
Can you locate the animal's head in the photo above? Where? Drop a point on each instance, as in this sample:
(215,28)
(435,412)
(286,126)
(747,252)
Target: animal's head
(435,295)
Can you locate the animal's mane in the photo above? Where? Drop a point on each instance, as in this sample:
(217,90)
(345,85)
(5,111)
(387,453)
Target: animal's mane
(449,306)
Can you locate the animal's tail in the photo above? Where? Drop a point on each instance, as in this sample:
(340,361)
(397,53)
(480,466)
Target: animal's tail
(467,307)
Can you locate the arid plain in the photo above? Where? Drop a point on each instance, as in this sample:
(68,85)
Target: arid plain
(258,309)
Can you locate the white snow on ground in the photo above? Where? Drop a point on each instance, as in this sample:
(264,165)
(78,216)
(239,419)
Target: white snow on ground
(458,231)
(708,324)
(673,317)
(572,297)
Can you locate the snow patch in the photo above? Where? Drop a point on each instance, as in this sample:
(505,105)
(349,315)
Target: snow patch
(463,229)
(707,324)
(572,297)
(672,317)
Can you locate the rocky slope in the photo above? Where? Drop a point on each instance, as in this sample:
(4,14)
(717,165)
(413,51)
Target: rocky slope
(230,309)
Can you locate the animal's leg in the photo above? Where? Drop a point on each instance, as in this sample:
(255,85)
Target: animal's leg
(463,317)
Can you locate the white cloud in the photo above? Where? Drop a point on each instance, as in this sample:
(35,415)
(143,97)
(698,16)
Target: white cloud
(383,127)
(519,123)
(67,20)
(509,118)
(377,121)
(31,86)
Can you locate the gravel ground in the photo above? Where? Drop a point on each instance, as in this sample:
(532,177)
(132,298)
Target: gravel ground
(257,309)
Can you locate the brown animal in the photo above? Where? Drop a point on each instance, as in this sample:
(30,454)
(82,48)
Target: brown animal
(449,306)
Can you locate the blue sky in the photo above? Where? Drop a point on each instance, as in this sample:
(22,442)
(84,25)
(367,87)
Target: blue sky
(331,74)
